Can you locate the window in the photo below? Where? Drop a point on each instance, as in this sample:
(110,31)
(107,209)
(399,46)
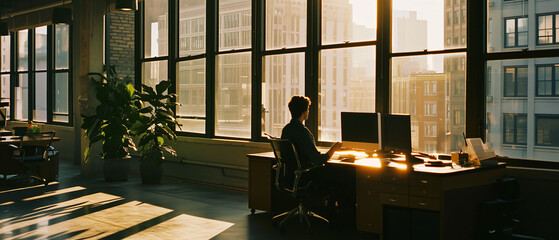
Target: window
(191,89)
(514,127)
(155,28)
(192,26)
(5,61)
(430,109)
(548,29)
(348,64)
(40,88)
(516,81)
(284,76)
(360,86)
(547,80)
(516,32)
(547,130)
(62,79)
(425,106)
(430,129)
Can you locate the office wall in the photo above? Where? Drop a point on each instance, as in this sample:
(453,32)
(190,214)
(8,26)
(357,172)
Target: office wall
(538,215)
(214,161)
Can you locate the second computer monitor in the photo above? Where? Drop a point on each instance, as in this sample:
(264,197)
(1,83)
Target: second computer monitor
(395,133)
(359,130)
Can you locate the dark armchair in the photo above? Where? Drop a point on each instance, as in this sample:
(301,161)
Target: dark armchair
(33,152)
(289,173)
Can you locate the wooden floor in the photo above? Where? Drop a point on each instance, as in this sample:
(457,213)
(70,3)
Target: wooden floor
(85,208)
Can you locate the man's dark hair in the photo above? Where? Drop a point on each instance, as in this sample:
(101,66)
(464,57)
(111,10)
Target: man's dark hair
(298,105)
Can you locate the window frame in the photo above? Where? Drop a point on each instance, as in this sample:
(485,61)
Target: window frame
(515,117)
(543,116)
(554,28)
(516,33)
(554,80)
(515,67)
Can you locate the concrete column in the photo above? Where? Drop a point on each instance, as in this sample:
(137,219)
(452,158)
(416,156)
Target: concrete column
(87,43)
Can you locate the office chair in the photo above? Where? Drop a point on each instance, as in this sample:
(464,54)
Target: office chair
(500,212)
(289,171)
(33,151)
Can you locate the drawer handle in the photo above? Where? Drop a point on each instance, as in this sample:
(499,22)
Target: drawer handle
(423,203)
(392,200)
(393,188)
(424,181)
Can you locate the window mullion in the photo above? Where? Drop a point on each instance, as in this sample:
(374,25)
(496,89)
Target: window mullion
(258,36)
(211,49)
(30,74)
(50,75)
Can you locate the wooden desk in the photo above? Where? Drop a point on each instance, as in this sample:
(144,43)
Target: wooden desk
(440,203)
(8,166)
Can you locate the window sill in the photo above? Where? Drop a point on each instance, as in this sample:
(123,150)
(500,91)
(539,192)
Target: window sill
(514,146)
(221,141)
(556,98)
(515,98)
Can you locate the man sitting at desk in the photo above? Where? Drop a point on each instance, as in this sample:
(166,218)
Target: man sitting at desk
(301,137)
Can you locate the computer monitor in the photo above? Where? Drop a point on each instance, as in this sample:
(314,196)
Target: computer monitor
(359,130)
(395,133)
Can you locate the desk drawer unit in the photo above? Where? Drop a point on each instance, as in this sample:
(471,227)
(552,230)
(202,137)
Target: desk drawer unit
(395,177)
(369,214)
(394,199)
(369,174)
(394,188)
(433,204)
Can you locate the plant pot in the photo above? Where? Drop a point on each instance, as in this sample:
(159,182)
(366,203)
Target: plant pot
(116,169)
(151,172)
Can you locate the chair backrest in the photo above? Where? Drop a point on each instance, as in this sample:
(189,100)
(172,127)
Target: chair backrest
(288,167)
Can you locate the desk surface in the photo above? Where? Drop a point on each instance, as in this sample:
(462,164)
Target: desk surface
(15,140)
(375,162)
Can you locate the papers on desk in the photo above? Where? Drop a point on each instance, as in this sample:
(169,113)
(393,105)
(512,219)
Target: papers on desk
(423,168)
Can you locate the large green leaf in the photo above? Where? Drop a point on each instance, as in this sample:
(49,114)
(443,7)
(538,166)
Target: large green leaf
(162,86)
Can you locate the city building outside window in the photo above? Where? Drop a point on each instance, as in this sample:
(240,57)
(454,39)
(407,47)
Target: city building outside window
(516,32)
(514,129)
(548,29)
(547,130)
(547,80)
(516,81)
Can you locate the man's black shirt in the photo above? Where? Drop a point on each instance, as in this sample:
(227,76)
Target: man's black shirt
(303,141)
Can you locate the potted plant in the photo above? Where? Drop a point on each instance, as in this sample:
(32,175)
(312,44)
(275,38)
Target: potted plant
(155,127)
(111,123)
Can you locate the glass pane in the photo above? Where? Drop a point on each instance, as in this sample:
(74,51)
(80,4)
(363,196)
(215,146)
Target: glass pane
(525,127)
(286,24)
(154,72)
(41,48)
(156,28)
(428,24)
(347,83)
(192,96)
(233,95)
(22,98)
(40,111)
(533,29)
(62,45)
(234,24)
(349,21)
(192,27)
(60,94)
(5,53)
(284,76)
(547,130)
(5,91)
(22,50)
(446,76)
